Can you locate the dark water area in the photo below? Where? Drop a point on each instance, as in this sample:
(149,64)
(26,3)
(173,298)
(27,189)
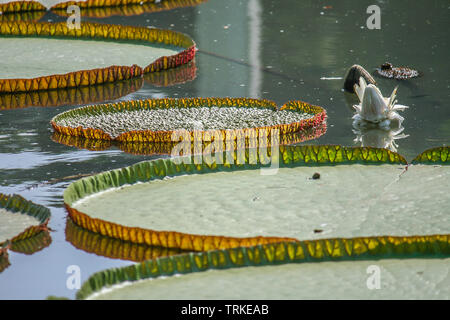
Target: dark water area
(277,50)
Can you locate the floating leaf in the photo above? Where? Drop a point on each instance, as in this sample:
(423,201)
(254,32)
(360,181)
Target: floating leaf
(166,148)
(167,49)
(23,227)
(127,10)
(232,224)
(158,120)
(332,280)
(7,6)
(21,219)
(20,6)
(438,155)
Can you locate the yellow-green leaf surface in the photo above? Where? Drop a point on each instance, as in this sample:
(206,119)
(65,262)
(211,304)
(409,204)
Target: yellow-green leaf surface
(20,219)
(349,268)
(137,8)
(31,5)
(399,279)
(45,3)
(37,57)
(347,201)
(59,5)
(88,55)
(12,224)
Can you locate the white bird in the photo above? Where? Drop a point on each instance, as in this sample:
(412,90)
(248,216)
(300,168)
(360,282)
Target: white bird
(373,108)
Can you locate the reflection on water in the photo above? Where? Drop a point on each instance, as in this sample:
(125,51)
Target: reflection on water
(379,137)
(33,244)
(175,76)
(166,148)
(70,96)
(22,16)
(114,248)
(4,261)
(26,246)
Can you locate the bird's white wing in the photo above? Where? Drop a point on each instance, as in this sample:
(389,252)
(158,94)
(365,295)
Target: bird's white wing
(360,87)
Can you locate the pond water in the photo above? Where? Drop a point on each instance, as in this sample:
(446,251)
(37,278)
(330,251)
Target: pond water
(258,48)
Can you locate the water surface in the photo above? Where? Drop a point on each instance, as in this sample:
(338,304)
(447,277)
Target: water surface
(277,50)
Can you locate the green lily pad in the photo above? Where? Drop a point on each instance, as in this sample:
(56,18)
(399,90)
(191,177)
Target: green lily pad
(399,279)
(239,205)
(139,8)
(286,204)
(349,268)
(39,5)
(12,224)
(38,57)
(23,227)
(437,156)
(20,219)
(43,56)
(192,119)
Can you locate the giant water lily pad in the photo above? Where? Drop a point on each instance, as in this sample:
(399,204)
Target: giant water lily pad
(166,148)
(23,227)
(437,155)
(20,219)
(157,120)
(278,264)
(248,204)
(7,6)
(275,208)
(393,219)
(58,57)
(128,10)
(97,93)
